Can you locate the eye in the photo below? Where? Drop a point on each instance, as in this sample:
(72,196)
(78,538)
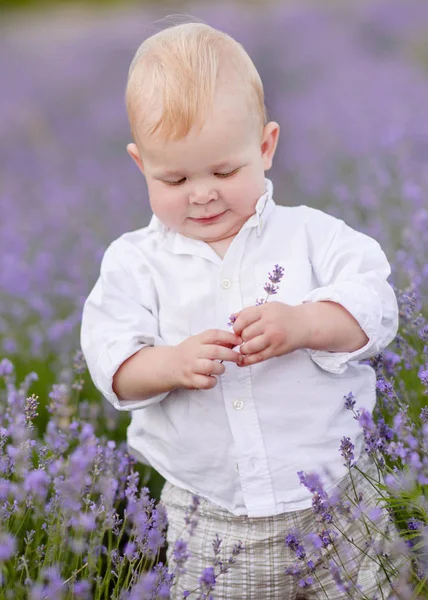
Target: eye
(175,182)
(227,174)
(221,175)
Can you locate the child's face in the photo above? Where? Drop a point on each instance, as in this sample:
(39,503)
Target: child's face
(217,173)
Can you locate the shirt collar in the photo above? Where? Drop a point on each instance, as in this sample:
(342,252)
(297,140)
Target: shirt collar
(178,242)
(264,206)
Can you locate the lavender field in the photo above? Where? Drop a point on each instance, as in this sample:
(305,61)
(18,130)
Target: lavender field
(349,87)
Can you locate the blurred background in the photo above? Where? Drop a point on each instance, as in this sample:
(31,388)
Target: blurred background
(347,81)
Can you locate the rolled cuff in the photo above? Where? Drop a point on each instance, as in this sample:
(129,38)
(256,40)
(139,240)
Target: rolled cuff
(112,357)
(365,306)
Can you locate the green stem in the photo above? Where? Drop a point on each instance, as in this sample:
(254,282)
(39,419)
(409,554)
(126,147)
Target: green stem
(366,526)
(106,582)
(21,523)
(119,575)
(75,573)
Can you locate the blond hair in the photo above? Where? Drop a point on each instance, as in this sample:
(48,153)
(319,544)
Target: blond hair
(178,67)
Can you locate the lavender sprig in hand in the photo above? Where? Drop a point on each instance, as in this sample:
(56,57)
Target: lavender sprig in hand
(271,287)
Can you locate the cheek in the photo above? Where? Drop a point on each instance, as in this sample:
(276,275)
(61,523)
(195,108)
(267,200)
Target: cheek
(167,204)
(241,199)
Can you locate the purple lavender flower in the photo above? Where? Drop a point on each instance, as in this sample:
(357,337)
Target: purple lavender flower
(295,570)
(270,289)
(343,584)
(6,368)
(414,524)
(7,546)
(82,590)
(37,482)
(231,321)
(83,521)
(385,387)
(208,578)
(31,405)
(292,541)
(321,507)
(216,544)
(54,588)
(305,583)
(423,376)
(314,539)
(349,401)
(190,518)
(277,274)
(180,553)
(155,537)
(146,587)
(327,537)
(347,451)
(313,482)
(371,434)
(302,569)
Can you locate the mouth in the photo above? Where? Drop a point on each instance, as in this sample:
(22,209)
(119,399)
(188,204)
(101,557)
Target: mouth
(207,220)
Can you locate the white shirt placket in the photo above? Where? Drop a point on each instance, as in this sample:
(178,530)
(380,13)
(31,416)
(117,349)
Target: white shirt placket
(252,461)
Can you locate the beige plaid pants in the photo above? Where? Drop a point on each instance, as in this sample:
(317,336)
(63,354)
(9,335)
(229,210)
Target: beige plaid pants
(259,570)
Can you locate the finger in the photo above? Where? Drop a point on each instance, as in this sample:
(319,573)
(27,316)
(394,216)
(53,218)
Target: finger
(218,368)
(253,359)
(205,366)
(252,331)
(254,345)
(246,317)
(220,353)
(221,337)
(209,367)
(203,382)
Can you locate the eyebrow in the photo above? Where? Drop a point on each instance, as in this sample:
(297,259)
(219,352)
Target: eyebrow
(214,168)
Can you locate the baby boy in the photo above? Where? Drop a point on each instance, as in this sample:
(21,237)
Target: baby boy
(232,412)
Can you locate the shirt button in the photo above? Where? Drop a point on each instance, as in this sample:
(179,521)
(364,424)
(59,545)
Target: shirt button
(237,467)
(225,284)
(238,404)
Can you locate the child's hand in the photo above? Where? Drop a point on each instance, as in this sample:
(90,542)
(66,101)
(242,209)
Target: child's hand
(270,329)
(196,359)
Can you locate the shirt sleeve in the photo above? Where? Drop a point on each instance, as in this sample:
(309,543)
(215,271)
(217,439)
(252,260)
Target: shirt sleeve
(119,318)
(352,270)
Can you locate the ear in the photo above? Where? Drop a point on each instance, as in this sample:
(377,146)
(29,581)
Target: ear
(269,142)
(133,152)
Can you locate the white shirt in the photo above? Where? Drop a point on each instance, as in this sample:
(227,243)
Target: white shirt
(242,443)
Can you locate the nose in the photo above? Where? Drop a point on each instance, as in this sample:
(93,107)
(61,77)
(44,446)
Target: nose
(202,194)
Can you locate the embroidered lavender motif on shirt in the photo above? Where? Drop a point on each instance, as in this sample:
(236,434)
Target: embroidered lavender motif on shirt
(271,287)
